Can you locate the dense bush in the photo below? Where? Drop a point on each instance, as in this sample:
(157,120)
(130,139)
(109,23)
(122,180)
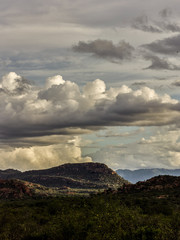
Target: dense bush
(101,217)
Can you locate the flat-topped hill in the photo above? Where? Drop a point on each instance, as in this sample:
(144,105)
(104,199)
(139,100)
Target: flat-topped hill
(77,175)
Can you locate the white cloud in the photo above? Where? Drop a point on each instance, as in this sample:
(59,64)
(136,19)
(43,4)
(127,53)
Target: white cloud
(44,111)
(10,81)
(31,118)
(56,80)
(14,84)
(39,157)
(95,89)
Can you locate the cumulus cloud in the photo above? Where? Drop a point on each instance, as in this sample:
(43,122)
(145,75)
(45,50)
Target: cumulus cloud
(105,49)
(39,157)
(38,125)
(56,80)
(14,84)
(62,105)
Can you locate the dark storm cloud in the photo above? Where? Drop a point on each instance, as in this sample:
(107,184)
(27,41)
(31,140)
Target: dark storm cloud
(160,63)
(168,46)
(105,49)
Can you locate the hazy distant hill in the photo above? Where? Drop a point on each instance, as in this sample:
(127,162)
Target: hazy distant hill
(134,176)
(74,176)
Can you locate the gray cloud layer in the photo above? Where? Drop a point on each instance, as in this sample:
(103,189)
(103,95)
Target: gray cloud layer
(142,23)
(164,24)
(176,83)
(105,49)
(168,46)
(160,63)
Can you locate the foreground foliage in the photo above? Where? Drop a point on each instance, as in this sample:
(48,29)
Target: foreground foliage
(104,216)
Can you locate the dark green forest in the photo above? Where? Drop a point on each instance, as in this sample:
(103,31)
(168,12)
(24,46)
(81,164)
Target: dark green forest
(98,217)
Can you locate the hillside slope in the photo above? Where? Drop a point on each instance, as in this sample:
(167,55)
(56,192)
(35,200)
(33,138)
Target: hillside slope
(19,189)
(162,183)
(76,176)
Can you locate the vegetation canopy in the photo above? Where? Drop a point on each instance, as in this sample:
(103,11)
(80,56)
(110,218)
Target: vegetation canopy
(105,216)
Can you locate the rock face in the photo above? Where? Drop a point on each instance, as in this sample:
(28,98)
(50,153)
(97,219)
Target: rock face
(19,189)
(77,175)
(14,189)
(134,176)
(158,183)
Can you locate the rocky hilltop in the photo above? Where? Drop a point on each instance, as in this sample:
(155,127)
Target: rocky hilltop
(19,189)
(156,184)
(14,189)
(74,176)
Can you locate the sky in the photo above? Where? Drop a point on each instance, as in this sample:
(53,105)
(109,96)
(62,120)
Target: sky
(86,80)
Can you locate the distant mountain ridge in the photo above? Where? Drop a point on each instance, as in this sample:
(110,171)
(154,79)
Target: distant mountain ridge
(76,176)
(134,176)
